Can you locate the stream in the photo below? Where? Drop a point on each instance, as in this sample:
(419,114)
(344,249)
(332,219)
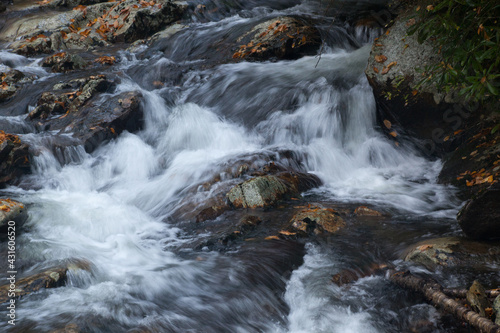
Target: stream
(118,207)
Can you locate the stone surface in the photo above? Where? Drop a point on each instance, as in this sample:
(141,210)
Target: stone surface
(280,38)
(10,82)
(496,309)
(476,297)
(14,158)
(84,114)
(88,27)
(451,251)
(317,220)
(50,278)
(480,217)
(365,211)
(424,112)
(265,191)
(64,62)
(11,210)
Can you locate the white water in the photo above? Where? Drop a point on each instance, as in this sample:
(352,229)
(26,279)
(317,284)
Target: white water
(110,207)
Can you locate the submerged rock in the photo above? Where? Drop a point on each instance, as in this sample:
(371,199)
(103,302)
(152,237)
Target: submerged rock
(480,217)
(268,190)
(365,211)
(317,220)
(280,38)
(50,278)
(11,210)
(451,251)
(14,158)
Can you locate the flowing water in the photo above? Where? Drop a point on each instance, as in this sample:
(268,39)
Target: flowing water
(117,207)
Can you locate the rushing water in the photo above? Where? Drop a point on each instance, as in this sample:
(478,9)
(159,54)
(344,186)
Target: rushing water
(116,208)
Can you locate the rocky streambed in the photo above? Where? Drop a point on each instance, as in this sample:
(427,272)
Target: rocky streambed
(230,167)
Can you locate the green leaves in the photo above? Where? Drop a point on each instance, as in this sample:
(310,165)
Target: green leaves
(467,33)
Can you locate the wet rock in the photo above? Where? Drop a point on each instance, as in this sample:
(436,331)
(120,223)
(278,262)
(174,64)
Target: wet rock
(64,62)
(279,38)
(10,82)
(496,309)
(211,213)
(14,158)
(51,103)
(87,117)
(365,211)
(480,217)
(476,296)
(11,210)
(137,23)
(422,111)
(70,328)
(317,220)
(69,3)
(265,191)
(451,251)
(39,45)
(49,278)
(96,25)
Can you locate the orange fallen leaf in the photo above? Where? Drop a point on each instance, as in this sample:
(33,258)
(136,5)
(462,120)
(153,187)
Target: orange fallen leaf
(380,58)
(387,124)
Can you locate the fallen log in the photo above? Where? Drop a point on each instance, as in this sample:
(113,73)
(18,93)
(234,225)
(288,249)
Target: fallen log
(433,292)
(462,293)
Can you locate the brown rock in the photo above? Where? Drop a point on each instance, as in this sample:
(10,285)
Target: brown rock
(452,252)
(50,278)
(11,210)
(476,296)
(64,62)
(317,220)
(365,211)
(280,38)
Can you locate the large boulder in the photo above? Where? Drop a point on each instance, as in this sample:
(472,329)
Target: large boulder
(280,38)
(83,114)
(11,210)
(480,217)
(87,27)
(268,190)
(475,164)
(403,105)
(14,157)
